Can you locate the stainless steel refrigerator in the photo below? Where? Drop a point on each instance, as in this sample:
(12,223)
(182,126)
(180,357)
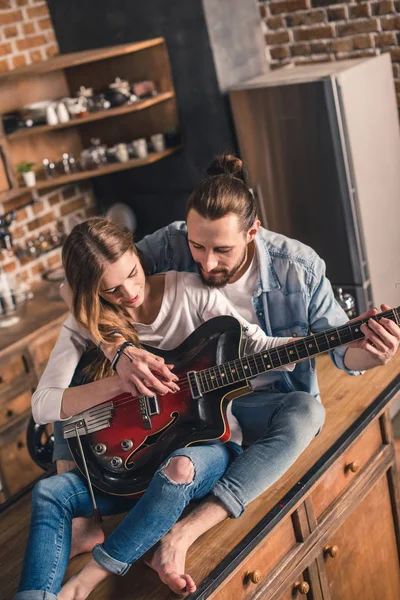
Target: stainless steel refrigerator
(321,145)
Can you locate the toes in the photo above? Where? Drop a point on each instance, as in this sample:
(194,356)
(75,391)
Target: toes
(175,582)
(190,584)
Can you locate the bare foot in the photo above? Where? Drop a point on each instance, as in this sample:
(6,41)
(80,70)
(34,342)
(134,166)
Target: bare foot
(168,560)
(81,585)
(85,535)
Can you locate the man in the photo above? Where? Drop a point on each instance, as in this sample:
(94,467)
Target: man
(279,283)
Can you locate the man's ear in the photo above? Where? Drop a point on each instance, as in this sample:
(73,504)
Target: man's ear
(251,234)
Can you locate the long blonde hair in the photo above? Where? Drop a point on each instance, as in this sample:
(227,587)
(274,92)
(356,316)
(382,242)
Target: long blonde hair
(90,245)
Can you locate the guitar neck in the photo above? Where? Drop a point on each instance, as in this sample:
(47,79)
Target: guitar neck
(253,365)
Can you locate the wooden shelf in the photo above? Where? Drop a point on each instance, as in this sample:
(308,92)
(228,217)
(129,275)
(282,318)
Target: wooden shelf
(96,116)
(60,77)
(74,59)
(106,170)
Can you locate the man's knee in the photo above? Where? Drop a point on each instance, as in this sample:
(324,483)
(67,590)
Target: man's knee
(313,411)
(179,469)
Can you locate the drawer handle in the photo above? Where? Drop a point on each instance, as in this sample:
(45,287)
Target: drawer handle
(253,576)
(9,413)
(20,444)
(302,587)
(354,467)
(332,551)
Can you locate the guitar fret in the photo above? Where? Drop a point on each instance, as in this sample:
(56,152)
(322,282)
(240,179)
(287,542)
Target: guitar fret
(247,367)
(203,380)
(266,359)
(322,342)
(292,350)
(250,366)
(239,368)
(226,376)
(259,363)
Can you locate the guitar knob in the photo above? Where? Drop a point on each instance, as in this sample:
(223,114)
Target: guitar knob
(116,462)
(126,444)
(100,449)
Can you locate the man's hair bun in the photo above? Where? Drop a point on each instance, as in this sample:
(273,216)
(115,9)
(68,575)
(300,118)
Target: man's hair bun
(227,164)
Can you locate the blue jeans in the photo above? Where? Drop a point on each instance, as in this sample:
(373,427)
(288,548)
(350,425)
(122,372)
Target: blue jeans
(57,500)
(277,425)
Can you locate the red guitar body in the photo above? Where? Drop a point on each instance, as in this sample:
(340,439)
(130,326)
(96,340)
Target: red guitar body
(126,439)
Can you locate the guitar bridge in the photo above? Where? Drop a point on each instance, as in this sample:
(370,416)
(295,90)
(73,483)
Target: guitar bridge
(148,407)
(94,419)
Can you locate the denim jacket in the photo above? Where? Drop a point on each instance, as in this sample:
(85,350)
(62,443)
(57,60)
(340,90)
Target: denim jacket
(293,296)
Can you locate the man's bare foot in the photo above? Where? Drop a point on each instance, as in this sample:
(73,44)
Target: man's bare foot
(85,535)
(168,560)
(81,585)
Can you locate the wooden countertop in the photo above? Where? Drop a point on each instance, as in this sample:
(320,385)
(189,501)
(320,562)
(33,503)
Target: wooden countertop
(345,399)
(40,313)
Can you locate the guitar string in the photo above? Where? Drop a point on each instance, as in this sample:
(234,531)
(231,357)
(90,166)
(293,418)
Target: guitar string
(289,346)
(186,385)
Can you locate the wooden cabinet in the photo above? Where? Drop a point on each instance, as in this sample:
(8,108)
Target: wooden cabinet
(341,540)
(20,371)
(62,76)
(365,563)
(324,531)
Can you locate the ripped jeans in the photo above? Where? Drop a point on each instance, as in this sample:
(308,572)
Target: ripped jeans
(57,500)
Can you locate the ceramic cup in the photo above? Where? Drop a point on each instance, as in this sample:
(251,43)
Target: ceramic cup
(158,142)
(122,152)
(140,147)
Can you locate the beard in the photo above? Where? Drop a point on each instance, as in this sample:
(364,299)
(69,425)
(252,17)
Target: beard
(218,278)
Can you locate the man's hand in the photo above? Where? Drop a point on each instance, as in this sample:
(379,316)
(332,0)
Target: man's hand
(145,373)
(381,341)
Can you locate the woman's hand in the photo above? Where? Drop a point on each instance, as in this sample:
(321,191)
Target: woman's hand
(145,373)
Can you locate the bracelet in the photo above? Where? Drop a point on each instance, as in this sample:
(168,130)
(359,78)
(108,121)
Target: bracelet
(118,353)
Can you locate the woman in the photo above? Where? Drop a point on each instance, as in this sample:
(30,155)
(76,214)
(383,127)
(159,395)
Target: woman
(112,296)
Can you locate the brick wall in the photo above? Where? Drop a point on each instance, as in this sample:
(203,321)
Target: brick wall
(308,31)
(27,36)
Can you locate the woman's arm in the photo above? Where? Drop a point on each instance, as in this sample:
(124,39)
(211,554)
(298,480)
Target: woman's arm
(141,373)
(53,400)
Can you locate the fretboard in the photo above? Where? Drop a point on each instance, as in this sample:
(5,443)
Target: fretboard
(253,365)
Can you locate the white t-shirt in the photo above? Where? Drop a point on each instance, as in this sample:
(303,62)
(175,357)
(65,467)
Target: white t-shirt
(186,304)
(240,295)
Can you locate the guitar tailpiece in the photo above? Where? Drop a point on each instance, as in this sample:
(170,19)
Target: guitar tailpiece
(96,513)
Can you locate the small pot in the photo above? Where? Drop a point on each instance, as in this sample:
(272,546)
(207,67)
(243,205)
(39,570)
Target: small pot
(29,178)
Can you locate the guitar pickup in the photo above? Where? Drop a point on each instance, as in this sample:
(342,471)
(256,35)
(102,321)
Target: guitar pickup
(148,407)
(152,406)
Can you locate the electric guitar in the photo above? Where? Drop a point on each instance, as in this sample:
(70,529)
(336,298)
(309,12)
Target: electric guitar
(120,443)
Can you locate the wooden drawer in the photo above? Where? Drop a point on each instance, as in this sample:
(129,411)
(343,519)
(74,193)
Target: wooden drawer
(245,580)
(346,467)
(11,369)
(41,349)
(10,411)
(17,467)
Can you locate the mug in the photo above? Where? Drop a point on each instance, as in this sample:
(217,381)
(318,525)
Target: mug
(158,142)
(140,147)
